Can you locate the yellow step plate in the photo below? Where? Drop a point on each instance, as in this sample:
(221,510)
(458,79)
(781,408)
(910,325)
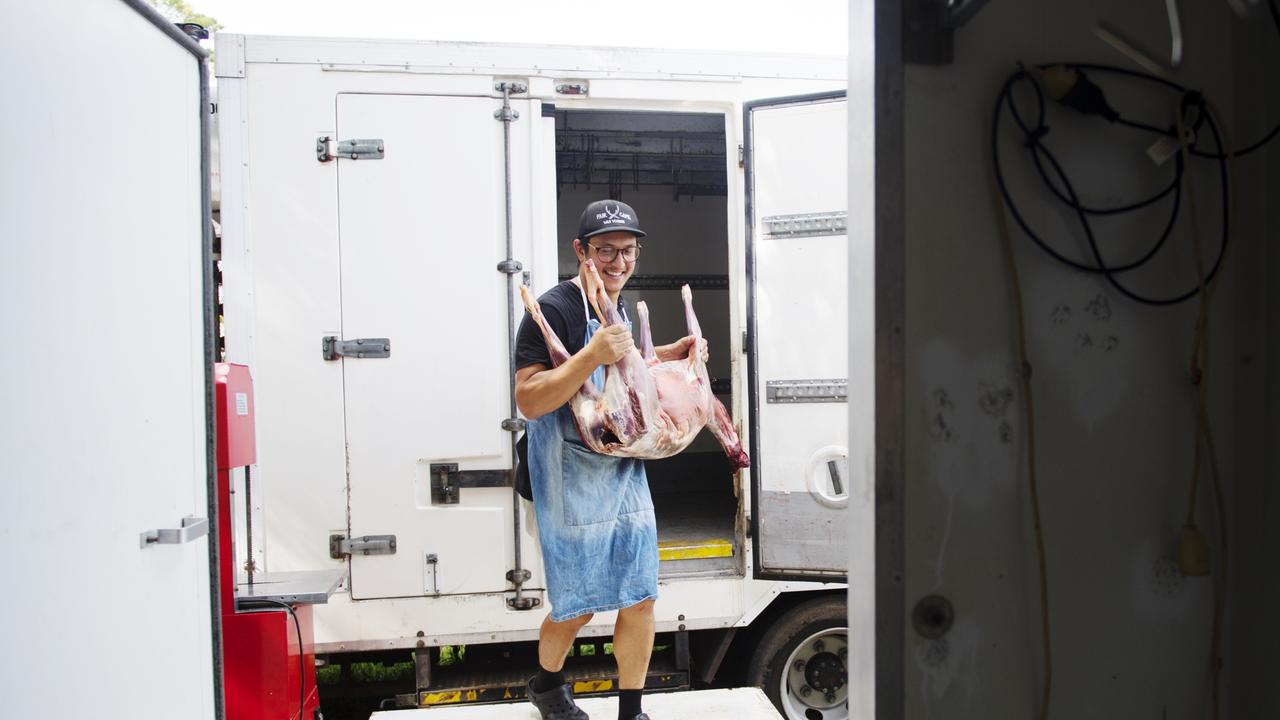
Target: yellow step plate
(694,549)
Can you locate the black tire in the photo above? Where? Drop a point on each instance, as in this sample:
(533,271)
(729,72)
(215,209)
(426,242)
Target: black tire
(822,625)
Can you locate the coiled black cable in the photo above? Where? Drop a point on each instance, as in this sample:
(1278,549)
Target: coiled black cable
(1034,140)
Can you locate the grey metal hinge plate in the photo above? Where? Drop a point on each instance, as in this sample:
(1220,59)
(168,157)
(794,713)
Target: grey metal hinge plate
(806,225)
(363,149)
(807,391)
(340,546)
(331,348)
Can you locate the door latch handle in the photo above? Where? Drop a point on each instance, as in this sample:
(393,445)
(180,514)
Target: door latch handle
(192,528)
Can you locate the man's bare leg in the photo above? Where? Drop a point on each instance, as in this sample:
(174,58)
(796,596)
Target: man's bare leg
(632,645)
(632,648)
(548,690)
(555,639)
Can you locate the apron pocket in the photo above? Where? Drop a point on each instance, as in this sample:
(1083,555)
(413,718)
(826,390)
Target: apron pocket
(593,485)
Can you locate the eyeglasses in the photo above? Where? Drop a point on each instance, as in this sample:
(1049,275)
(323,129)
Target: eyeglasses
(607,253)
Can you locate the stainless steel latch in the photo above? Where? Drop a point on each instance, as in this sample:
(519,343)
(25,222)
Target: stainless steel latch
(331,348)
(366,149)
(341,546)
(192,528)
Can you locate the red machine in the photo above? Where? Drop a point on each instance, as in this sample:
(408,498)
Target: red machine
(268,644)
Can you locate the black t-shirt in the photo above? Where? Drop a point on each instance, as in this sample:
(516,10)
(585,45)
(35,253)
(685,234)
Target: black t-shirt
(562,306)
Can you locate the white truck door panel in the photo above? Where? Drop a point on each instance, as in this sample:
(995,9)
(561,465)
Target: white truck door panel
(102,302)
(797,344)
(421,232)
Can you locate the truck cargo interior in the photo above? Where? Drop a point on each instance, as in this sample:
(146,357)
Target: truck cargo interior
(671,167)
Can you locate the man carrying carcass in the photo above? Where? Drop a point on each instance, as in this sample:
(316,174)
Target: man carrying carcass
(595,516)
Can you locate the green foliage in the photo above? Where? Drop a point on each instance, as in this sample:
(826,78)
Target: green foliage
(179,11)
(365,672)
(452,655)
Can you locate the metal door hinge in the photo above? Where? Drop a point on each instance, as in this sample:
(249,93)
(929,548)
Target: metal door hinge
(742,156)
(523,603)
(510,267)
(331,348)
(506,113)
(363,149)
(511,88)
(513,424)
(806,225)
(192,528)
(572,88)
(341,546)
(807,391)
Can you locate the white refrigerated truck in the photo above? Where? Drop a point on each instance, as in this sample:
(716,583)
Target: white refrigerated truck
(379,202)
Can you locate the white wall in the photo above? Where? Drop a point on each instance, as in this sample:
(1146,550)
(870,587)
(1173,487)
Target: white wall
(1115,427)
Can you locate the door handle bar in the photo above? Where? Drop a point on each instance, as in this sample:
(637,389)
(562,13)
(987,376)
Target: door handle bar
(192,528)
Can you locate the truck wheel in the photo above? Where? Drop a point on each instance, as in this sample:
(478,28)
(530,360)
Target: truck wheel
(800,661)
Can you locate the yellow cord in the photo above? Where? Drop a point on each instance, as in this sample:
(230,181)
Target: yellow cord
(1200,368)
(1024,372)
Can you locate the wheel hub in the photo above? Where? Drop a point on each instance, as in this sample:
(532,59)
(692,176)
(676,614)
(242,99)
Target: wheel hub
(825,673)
(816,682)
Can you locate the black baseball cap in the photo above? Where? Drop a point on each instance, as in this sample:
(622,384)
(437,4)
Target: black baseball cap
(603,216)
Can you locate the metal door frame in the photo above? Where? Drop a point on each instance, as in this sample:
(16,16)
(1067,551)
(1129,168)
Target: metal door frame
(890,315)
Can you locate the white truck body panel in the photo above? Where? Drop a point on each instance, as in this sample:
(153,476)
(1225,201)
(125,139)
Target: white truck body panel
(406,247)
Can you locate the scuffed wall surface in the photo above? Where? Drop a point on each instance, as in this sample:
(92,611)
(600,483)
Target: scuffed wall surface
(1114,404)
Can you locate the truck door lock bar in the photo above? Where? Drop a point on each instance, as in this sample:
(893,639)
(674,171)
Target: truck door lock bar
(447,481)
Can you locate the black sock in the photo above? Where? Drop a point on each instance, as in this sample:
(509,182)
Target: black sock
(546,680)
(629,704)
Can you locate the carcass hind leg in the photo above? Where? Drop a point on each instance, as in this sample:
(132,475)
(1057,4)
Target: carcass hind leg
(721,426)
(554,347)
(646,337)
(691,320)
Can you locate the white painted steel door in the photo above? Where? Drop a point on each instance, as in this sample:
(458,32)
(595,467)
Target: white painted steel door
(421,233)
(103,436)
(799,332)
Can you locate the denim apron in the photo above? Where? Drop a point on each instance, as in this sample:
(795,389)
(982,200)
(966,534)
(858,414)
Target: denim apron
(595,516)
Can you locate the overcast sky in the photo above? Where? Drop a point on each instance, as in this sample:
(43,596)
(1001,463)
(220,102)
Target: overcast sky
(790,26)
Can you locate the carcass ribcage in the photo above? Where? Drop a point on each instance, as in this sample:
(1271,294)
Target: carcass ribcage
(647,409)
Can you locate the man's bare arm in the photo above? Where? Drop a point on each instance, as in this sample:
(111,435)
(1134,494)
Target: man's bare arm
(540,389)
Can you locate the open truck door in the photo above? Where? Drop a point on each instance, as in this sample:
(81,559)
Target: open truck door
(797,337)
(422,221)
(106,296)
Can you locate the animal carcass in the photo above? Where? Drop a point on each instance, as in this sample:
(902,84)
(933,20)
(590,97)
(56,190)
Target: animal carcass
(647,409)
